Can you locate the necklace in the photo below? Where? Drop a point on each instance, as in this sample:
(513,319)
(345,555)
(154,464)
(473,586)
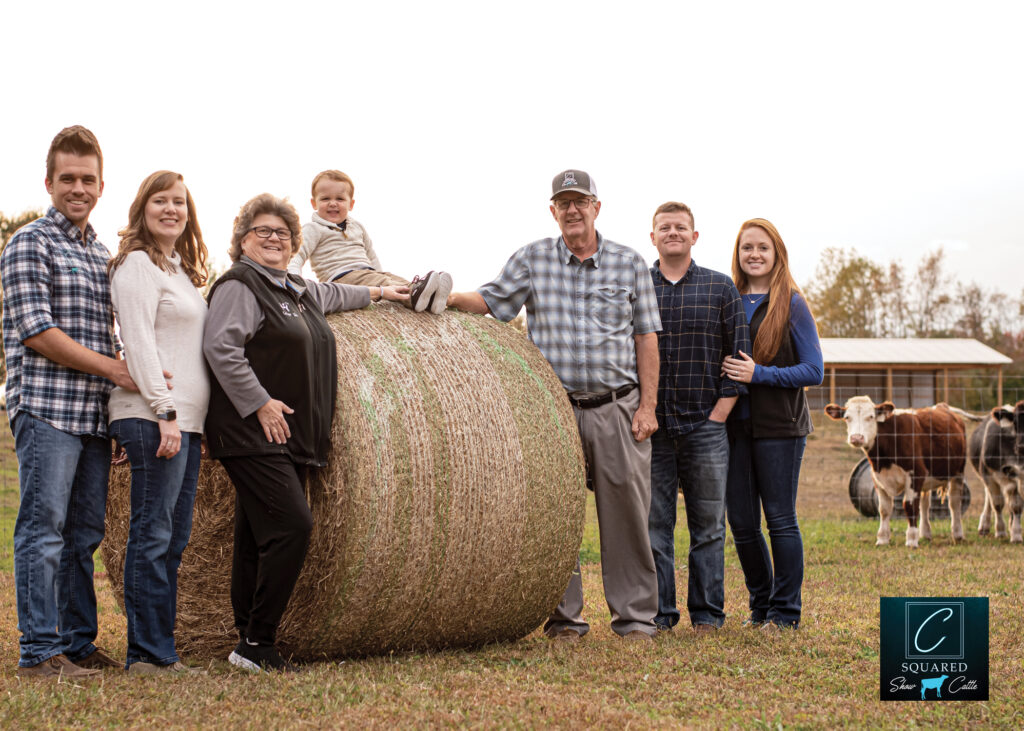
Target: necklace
(752,298)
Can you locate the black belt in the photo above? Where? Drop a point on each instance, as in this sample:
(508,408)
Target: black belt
(605,398)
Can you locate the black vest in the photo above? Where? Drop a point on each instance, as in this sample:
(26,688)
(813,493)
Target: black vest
(294,358)
(777,412)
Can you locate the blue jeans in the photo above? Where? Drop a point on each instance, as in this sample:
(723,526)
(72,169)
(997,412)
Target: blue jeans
(765,472)
(697,462)
(63,480)
(163,493)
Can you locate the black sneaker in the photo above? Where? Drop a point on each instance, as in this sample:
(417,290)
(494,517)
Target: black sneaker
(422,289)
(439,300)
(256,658)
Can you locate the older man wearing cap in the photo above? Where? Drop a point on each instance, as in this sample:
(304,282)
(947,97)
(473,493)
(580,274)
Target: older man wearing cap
(591,309)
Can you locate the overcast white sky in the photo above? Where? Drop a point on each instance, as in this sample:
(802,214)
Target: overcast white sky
(890,127)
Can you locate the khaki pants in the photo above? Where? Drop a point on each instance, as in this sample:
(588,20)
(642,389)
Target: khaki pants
(371,278)
(620,468)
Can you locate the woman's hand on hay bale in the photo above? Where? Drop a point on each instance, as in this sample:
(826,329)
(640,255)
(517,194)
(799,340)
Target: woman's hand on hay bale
(395,294)
(271,417)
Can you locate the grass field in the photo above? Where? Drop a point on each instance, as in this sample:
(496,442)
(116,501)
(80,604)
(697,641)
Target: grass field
(826,674)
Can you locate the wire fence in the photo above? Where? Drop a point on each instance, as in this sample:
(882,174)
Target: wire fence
(834,482)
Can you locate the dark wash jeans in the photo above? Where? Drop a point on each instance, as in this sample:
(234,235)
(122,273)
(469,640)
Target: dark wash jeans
(162,496)
(698,463)
(63,480)
(765,472)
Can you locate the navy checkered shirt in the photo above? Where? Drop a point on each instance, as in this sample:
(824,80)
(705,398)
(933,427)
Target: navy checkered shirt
(702,321)
(582,315)
(51,280)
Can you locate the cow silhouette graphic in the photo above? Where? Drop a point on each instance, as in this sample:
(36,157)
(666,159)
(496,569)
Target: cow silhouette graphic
(935,683)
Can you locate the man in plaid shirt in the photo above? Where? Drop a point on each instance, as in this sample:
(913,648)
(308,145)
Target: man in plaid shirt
(591,311)
(702,322)
(59,344)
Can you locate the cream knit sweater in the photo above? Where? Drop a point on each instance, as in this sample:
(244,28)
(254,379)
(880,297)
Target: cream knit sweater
(161,317)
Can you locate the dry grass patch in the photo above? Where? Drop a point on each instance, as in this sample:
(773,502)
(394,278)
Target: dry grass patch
(824,675)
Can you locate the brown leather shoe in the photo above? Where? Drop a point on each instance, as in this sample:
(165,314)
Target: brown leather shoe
(637,636)
(56,667)
(565,635)
(98,660)
(702,629)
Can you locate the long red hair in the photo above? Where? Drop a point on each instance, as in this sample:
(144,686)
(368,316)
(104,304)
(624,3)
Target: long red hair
(780,291)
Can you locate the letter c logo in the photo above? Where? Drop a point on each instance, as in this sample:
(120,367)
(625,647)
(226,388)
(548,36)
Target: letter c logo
(918,633)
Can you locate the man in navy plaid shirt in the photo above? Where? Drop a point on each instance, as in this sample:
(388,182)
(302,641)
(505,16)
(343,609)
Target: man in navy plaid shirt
(702,322)
(59,345)
(591,311)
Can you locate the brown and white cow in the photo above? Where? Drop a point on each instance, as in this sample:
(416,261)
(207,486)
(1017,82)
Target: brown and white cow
(993,453)
(913,453)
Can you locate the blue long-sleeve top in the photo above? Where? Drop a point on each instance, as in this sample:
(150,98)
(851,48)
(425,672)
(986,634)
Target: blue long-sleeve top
(809,371)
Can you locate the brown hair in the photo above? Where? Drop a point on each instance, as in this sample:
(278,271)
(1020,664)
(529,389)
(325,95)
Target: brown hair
(781,288)
(76,140)
(337,176)
(672,207)
(271,205)
(136,236)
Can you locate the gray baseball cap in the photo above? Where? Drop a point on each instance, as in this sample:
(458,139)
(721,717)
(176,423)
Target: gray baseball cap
(576,180)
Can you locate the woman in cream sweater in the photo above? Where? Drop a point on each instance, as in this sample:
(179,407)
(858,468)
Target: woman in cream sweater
(160,264)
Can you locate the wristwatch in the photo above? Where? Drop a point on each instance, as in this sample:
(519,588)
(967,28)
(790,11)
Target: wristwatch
(169,415)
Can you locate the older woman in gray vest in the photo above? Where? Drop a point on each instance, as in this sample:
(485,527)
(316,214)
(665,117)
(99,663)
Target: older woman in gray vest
(272,397)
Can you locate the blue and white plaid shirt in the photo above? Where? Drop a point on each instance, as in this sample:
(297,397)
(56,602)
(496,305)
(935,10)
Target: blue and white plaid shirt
(51,280)
(582,315)
(703,321)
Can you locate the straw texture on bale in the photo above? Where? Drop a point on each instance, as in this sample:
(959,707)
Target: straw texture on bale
(450,513)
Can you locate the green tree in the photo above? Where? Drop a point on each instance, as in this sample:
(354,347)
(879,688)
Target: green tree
(846,295)
(8,225)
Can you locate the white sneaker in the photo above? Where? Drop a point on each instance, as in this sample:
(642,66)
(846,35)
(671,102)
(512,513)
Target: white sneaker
(439,300)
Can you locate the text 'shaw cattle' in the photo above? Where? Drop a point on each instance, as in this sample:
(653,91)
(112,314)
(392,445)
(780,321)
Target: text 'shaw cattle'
(912,452)
(995,454)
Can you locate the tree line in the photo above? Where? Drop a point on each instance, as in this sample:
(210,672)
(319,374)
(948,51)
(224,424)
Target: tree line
(854,297)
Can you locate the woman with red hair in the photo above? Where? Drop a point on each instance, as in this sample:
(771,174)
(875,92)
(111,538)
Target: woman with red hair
(768,428)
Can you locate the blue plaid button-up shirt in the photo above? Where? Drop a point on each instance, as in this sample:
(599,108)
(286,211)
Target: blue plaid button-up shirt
(582,315)
(702,322)
(50,279)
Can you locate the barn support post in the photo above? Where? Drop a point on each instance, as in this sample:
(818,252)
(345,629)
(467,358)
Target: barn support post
(888,384)
(945,385)
(832,385)
(999,386)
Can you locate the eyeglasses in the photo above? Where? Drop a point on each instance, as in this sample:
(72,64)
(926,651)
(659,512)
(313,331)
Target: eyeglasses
(582,204)
(265,232)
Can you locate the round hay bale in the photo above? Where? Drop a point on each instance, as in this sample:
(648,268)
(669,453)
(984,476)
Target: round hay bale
(450,513)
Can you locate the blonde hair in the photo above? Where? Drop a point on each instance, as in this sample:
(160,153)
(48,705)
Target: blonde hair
(337,176)
(136,236)
(781,287)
